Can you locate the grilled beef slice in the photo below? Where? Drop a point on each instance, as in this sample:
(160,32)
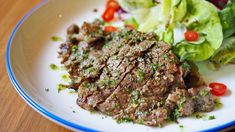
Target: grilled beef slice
(131,76)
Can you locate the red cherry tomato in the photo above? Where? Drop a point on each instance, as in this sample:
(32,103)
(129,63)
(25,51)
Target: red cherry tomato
(110,29)
(113,4)
(191,36)
(218,89)
(108,14)
(131,27)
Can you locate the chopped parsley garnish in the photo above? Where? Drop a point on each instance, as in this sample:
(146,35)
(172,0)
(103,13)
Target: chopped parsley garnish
(85,55)
(74,48)
(166,56)
(106,45)
(108,82)
(181,126)
(93,112)
(218,104)
(211,117)
(124,120)
(112,83)
(186,66)
(56,39)
(140,75)
(116,105)
(88,85)
(53,67)
(65,78)
(135,96)
(182,101)
(72,92)
(91,70)
(175,115)
(204,92)
(61,87)
(154,67)
(139,121)
(199,115)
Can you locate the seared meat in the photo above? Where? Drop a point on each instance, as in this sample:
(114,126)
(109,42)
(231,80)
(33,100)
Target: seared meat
(130,75)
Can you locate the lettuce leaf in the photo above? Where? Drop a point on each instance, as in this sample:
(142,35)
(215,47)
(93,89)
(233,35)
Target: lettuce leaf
(131,21)
(205,21)
(227,16)
(226,53)
(130,5)
(163,18)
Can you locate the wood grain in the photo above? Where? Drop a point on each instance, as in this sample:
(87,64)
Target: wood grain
(15,114)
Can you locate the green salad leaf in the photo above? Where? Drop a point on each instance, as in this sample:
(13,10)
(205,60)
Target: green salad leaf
(203,20)
(131,21)
(138,8)
(227,16)
(130,5)
(162,18)
(226,52)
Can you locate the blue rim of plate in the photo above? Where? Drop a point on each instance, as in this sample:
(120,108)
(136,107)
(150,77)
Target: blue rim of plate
(42,110)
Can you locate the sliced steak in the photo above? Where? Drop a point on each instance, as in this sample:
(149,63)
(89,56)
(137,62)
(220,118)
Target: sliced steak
(131,76)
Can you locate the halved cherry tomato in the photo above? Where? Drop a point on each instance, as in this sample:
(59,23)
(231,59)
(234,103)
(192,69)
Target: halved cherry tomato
(218,89)
(110,29)
(113,4)
(191,36)
(108,14)
(131,27)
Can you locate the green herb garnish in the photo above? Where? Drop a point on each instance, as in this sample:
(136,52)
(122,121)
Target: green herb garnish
(56,39)
(211,117)
(108,82)
(186,66)
(218,104)
(71,92)
(88,85)
(61,87)
(181,126)
(126,119)
(85,55)
(182,101)
(135,96)
(175,115)
(154,67)
(140,75)
(204,92)
(140,121)
(199,115)
(65,78)
(74,48)
(53,67)
(93,112)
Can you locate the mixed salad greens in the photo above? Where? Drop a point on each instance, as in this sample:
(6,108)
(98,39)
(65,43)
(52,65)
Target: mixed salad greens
(197,30)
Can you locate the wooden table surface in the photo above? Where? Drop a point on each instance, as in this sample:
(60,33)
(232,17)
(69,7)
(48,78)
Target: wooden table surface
(15,114)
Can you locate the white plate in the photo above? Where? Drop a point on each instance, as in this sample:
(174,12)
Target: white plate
(30,52)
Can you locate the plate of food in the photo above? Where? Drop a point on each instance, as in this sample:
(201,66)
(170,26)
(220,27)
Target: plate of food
(127,65)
